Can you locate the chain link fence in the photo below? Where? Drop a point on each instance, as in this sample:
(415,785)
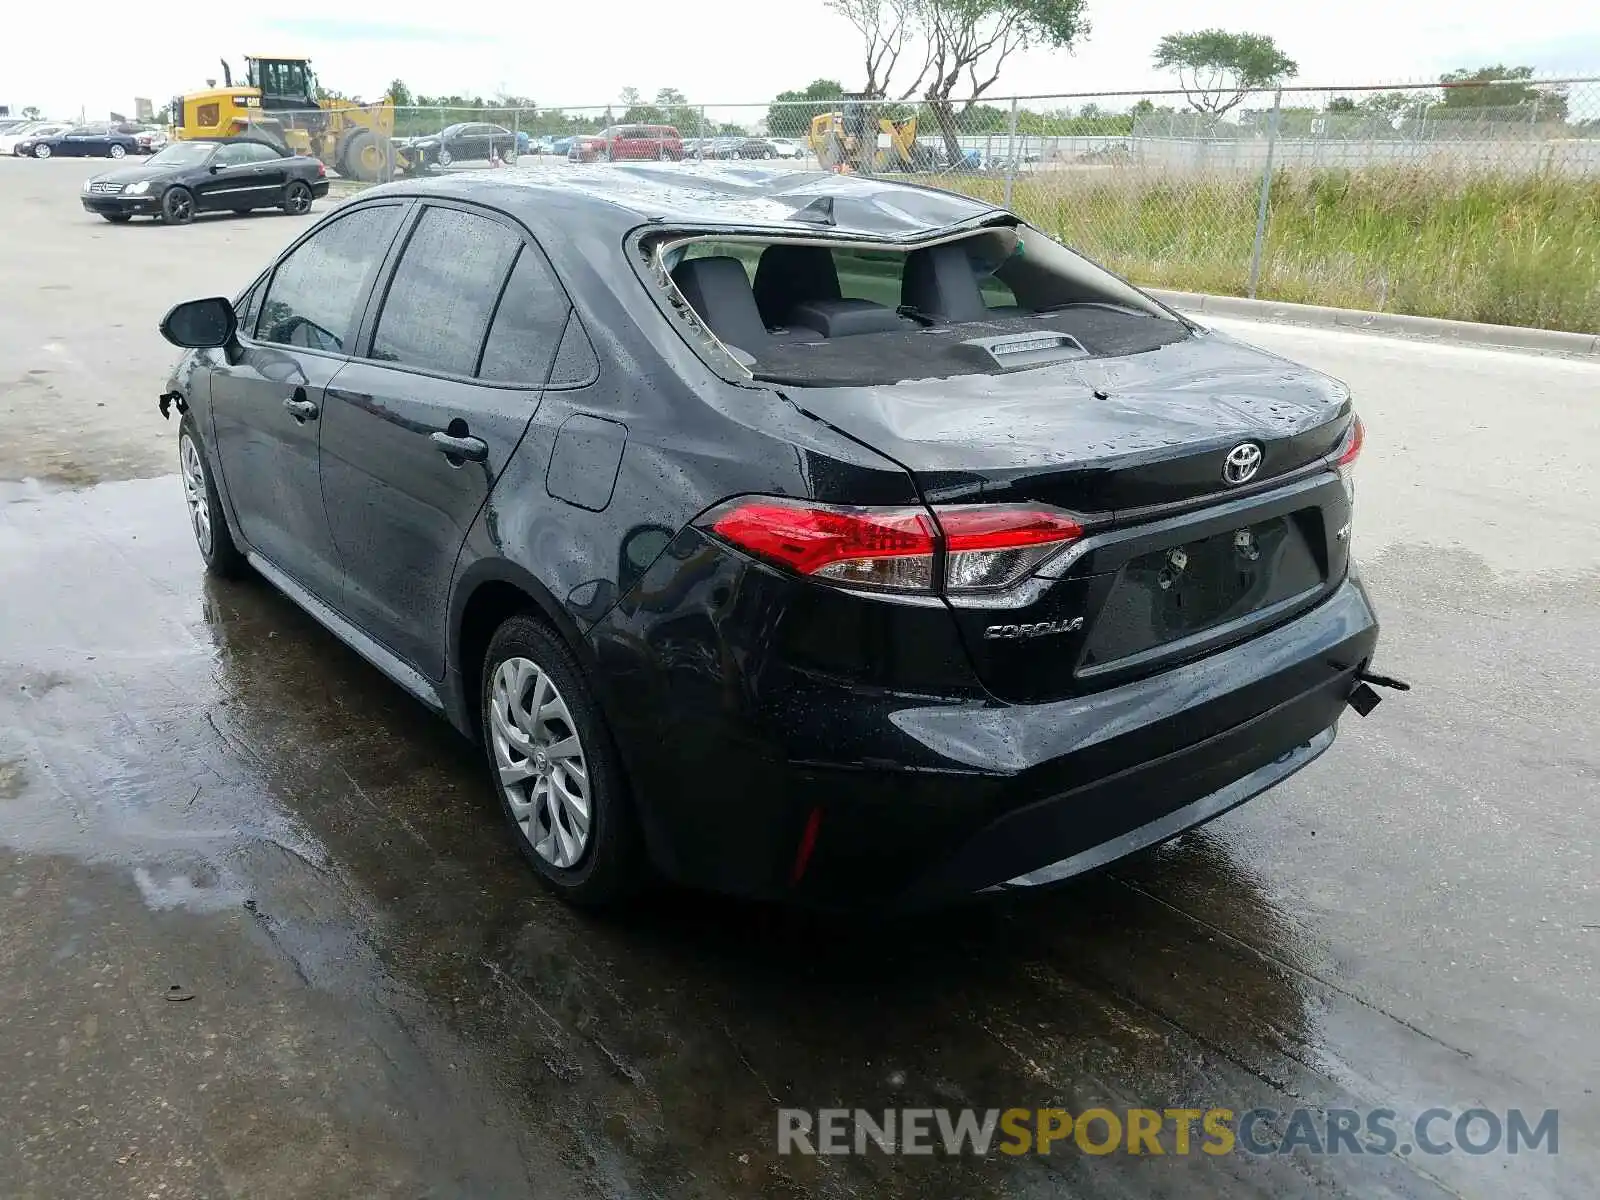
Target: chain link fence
(1475,201)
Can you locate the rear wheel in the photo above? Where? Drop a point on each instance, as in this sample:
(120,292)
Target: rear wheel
(118,218)
(116,151)
(445,157)
(177,206)
(559,778)
(297,198)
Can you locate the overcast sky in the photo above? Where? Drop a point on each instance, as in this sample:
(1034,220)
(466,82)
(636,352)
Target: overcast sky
(716,52)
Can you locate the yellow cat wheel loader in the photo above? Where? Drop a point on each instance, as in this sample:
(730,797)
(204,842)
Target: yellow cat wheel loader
(277,101)
(858,139)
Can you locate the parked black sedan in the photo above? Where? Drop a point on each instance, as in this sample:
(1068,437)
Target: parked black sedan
(82,141)
(471,141)
(223,175)
(791,534)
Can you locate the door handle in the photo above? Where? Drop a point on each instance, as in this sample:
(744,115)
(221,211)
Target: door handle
(301,409)
(470,448)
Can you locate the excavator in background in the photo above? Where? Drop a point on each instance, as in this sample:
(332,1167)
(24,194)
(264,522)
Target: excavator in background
(277,101)
(858,140)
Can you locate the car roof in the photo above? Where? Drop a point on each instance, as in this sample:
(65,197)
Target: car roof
(708,196)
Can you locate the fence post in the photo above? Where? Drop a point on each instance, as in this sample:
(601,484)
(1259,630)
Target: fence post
(700,138)
(1266,192)
(1011,151)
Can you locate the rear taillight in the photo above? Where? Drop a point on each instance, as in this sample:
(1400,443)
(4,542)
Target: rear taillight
(953,548)
(1350,450)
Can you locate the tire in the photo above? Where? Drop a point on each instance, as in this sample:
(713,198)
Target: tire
(445,157)
(116,151)
(41,151)
(352,157)
(118,218)
(297,198)
(206,519)
(597,864)
(177,206)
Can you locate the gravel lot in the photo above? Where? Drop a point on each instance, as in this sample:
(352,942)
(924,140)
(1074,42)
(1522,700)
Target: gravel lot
(200,788)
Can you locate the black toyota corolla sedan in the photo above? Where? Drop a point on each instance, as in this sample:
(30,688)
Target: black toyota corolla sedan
(221,175)
(791,535)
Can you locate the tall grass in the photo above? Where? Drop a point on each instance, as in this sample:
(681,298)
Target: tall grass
(1508,249)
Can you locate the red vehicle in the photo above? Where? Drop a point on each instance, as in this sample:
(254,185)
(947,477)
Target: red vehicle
(625,143)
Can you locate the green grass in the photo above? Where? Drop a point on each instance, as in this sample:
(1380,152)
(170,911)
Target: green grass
(1507,249)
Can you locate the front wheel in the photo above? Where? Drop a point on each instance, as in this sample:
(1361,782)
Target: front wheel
(558,776)
(116,152)
(297,198)
(210,527)
(177,206)
(41,151)
(446,158)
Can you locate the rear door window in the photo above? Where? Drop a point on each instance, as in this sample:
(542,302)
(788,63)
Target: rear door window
(313,297)
(527,324)
(444,292)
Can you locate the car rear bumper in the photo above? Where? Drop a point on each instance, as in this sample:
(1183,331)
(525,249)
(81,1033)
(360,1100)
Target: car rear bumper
(902,803)
(121,205)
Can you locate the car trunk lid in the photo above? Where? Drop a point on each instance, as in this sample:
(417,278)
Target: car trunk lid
(1179,557)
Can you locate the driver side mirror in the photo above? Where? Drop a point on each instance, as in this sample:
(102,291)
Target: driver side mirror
(200,324)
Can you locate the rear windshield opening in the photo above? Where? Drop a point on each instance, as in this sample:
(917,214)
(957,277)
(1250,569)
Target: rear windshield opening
(837,313)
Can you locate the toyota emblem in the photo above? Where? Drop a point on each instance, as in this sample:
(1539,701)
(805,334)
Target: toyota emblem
(1242,463)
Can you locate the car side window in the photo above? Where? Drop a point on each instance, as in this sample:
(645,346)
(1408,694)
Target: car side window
(231,156)
(444,292)
(257,153)
(527,324)
(312,297)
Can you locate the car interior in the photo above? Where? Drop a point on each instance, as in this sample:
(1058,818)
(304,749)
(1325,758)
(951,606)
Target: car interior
(838,314)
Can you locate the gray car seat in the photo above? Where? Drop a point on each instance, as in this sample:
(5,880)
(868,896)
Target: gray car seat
(939,282)
(791,275)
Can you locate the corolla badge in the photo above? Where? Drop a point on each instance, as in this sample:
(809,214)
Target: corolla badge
(1034,629)
(1242,463)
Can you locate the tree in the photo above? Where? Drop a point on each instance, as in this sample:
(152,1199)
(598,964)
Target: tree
(31,113)
(1342,104)
(790,116)
(1217,69)
(1500,86)
(887,29)
(399,93)
(970,40)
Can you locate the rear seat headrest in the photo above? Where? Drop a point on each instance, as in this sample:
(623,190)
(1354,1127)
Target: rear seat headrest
(939,281)
(719,291)
(790,275)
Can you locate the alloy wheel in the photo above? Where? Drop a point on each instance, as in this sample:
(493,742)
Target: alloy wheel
(116,151)
(543,771)
(298,200)
(194,491)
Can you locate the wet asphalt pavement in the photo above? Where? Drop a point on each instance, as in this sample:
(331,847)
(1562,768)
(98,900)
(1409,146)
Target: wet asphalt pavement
(201,790)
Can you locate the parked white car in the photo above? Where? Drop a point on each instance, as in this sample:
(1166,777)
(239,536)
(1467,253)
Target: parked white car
(787,147)
(9,140)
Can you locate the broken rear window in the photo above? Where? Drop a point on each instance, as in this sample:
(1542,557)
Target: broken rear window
(822,313)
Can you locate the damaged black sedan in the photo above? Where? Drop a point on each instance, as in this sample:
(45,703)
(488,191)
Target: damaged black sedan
(796,536)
